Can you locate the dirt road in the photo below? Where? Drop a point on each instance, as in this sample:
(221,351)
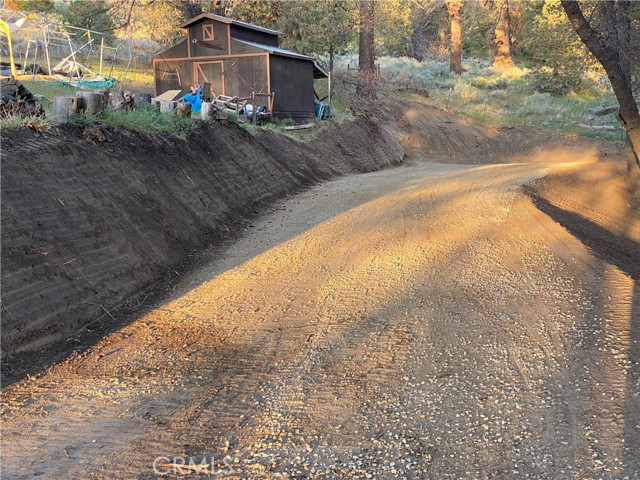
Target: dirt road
(422,322)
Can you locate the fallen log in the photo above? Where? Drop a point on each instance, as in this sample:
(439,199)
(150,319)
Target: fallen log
(300,127)
(602,111)
(609,128)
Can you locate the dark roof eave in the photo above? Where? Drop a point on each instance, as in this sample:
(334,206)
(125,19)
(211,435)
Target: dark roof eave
(297,57)
(276,50)
(318,72)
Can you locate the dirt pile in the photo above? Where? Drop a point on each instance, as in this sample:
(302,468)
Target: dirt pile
(446,138)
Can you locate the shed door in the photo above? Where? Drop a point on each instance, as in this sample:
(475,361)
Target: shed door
(213,73)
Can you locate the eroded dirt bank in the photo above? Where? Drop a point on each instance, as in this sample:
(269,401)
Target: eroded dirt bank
(91,217)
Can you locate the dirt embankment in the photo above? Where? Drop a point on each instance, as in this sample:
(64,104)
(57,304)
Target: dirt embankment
(91,217)
(598,204)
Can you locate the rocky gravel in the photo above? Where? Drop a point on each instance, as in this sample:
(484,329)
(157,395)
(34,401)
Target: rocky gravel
(422,322)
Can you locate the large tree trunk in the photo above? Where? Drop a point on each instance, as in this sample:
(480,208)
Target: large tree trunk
(366,56)
(633,162)
(612,49)
(502,37)
(454,7)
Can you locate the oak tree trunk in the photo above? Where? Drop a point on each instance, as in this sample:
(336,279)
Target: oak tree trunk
(612,49)
(366,57)
(454,7)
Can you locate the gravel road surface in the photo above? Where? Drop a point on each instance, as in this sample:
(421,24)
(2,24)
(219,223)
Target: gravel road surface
(423,322)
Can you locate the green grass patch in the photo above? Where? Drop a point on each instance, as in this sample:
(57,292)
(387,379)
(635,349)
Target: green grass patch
(38,124)
(49,89)
(145,118)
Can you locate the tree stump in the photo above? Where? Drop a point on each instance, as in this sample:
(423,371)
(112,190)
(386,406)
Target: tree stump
(184,110)
(90,102)
(208,111)
(168,107)
(105,92)
(116,101)
(64,107)
(143,98)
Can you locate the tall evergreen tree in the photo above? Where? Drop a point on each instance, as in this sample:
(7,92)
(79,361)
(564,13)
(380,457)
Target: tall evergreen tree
(454,7)
(502,35)
(366,51)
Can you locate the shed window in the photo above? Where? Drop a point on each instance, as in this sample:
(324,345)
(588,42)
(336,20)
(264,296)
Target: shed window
(207,32)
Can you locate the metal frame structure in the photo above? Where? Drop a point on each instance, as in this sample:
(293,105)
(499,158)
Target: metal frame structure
(73,47)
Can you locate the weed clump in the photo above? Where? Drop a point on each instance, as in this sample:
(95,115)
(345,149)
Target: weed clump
(145,118)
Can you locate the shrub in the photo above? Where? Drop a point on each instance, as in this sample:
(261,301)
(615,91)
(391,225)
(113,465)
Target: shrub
(465,91)
(514,73)
(556,82)
(15,120)
(490,83)
(499,95)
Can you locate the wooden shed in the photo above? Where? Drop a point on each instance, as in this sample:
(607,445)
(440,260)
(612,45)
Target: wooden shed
(239,58)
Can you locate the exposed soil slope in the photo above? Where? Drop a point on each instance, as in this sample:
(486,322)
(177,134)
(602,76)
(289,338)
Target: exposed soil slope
(599,204)
(425,321)
(91,217)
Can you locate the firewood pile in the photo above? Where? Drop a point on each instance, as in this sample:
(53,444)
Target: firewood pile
(16,100)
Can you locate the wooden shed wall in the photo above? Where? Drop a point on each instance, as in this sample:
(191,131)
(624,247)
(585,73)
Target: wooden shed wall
(242,75)
(255,36)
(179,50)
(292,81)
(219,45)
(166,78)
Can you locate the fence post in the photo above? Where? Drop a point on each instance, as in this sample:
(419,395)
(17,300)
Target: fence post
(101,53)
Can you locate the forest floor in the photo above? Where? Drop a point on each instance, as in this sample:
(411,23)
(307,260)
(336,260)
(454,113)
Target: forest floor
(428,321)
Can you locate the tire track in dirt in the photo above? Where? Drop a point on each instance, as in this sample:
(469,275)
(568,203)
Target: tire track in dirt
(357,350)
(428,323)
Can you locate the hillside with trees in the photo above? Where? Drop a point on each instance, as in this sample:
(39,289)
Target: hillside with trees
(530,41)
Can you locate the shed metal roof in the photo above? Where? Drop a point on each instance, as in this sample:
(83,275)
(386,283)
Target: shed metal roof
(317,71)
(228,21)
(276,50)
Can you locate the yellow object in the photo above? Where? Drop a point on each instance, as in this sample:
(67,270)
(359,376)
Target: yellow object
(4,28)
